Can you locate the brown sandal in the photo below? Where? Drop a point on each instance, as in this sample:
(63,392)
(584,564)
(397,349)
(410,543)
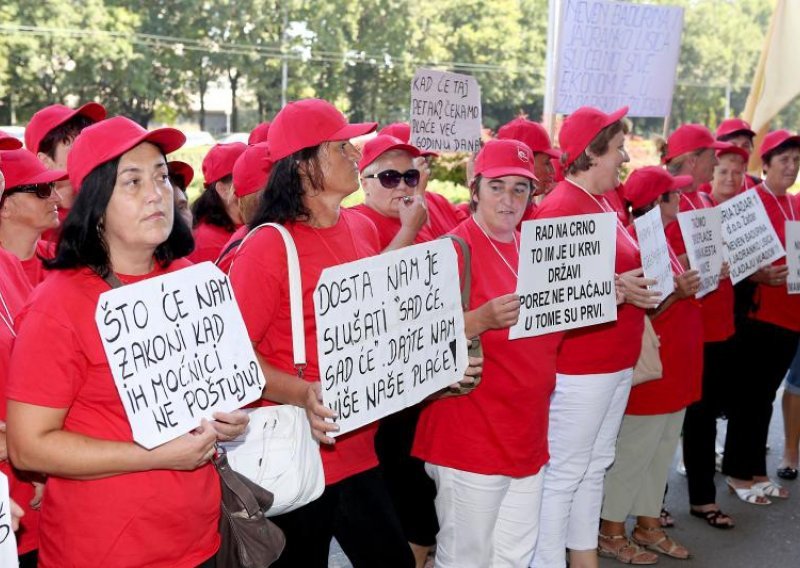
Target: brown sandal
(627,552)
(663,543)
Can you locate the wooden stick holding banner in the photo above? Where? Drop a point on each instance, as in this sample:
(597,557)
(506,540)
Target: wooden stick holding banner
(566,274)
(390,332)
(702,234)
(178,350)
(750,239)
(654,252)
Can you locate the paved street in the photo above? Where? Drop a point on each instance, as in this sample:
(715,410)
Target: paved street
(764,537)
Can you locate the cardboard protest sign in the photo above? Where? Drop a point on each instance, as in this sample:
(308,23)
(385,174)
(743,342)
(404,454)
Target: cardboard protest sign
(654,252)
(702,235)
(445,112)
(748,235)
(566,274)
(390,331)
(8,542)
(793,256)
(178,350)
(612,54)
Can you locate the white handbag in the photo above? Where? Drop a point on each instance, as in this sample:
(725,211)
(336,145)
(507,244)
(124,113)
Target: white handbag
(277,450)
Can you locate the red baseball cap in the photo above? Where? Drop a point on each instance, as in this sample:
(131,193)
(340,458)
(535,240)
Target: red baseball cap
(500,158)
(734,149)
(310,122)
(259,133)
(401,130)
(48,118)
(21,167)
(581,127)
(645,185)
(381,144)
(219,161)
(251,170)
(111,138)
(8,142)
(734,126)
(688,138)
(775,139)
(531,133)
(182,169)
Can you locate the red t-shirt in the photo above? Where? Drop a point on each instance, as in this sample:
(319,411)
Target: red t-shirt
(229,250)
(607,347)
(717,307)
(208,242)
(33,267)
(614,199)
(261,284)
(774,304)
(680,332)
(157,518)
(15,289)
(500,428)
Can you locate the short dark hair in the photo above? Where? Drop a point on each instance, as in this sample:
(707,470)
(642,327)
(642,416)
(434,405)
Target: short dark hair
(209,207)
(282,200)
(736,134)
(82,245)
(779,149)
(65,132)
(178,180)
(598,146)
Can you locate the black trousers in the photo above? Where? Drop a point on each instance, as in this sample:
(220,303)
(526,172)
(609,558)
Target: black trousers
(700,422)
(766,351)
(359,513)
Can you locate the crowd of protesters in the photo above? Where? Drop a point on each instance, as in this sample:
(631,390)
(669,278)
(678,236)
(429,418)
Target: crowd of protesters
(542,462)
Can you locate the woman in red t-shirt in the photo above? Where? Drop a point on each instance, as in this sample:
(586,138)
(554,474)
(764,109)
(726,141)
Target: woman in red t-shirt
(108,501)
(595,364)
(771,329)
(652,423)
(315,168)
(486,450)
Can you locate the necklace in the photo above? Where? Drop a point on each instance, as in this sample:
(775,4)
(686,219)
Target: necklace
(778,203)
(7,318)
(620,227)
(500,254)
(324,241)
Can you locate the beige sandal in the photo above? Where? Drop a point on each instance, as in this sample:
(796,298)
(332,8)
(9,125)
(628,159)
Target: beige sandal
(662,544)
(627,552)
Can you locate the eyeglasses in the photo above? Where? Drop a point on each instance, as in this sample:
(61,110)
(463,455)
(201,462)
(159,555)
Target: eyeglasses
(390,179)
(42,190)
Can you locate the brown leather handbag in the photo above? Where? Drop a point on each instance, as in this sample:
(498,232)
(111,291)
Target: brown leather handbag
(249,538)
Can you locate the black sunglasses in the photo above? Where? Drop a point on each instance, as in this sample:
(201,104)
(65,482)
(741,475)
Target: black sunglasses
(42,190)
(390,179)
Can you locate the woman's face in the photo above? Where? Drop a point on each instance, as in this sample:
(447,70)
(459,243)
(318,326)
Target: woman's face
(182,205)
(703,171)
(501,202)
(31,211)
(781,173)
(544,172)
(742,141)
(383,200)
(669,208)
(728,177)
(140,212)
(338,161)
(606,169)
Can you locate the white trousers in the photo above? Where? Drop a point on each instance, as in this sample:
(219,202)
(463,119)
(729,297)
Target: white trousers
(585,416)
(485,520)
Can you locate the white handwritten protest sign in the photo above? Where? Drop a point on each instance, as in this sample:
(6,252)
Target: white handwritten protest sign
(8,542)
(445,112)
(793,256)
(655,254)
(390,331)
(612,54)
(566,274)
(702,235)
(178,350)
(748,235)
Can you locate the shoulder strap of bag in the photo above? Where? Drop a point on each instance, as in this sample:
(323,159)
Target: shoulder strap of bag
(467,255)
(295,293)
(233,247)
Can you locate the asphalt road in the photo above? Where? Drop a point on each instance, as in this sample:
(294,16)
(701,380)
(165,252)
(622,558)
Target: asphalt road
(764,537)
